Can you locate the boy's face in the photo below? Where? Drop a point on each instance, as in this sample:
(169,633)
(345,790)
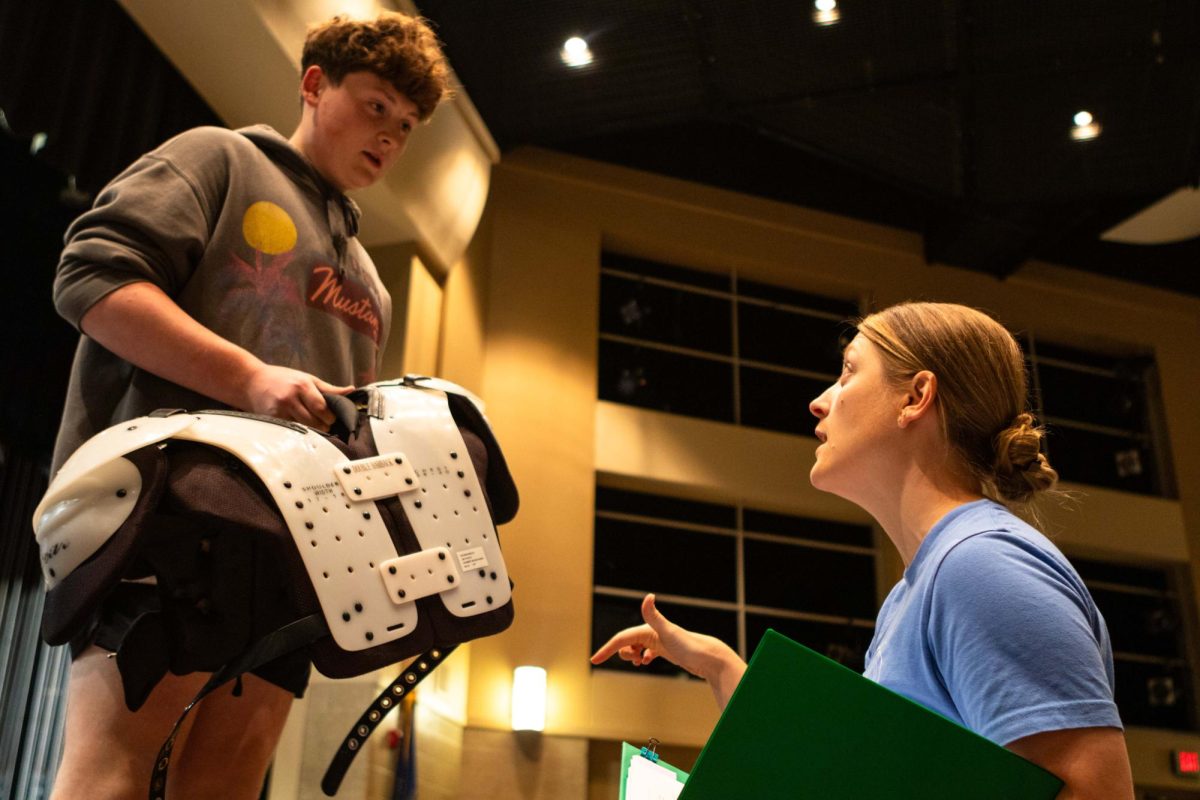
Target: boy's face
(356,129)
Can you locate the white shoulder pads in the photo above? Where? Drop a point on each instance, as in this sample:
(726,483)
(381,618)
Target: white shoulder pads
(94,493)
(446,386)
(341,540)
(446,506)
(366,589)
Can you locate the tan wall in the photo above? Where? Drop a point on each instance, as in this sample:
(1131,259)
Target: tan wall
(394,263)
(464,314)
(536,261)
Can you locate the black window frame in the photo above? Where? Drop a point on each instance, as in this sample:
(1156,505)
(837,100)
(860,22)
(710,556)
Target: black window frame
(695,379)
(1125,590)
(725,404)
(1155,471)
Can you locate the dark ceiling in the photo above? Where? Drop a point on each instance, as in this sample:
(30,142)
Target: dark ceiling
(951,118)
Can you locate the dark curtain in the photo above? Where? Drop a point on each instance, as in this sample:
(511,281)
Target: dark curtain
(80,76)
(84,74)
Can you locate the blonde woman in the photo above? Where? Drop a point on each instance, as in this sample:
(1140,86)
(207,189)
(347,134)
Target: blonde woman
(927,430)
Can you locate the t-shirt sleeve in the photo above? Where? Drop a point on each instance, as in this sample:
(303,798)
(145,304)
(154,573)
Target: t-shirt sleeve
(151,223)
(1014,642)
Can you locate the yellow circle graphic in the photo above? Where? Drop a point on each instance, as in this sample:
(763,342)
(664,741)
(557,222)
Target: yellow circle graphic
(268,228)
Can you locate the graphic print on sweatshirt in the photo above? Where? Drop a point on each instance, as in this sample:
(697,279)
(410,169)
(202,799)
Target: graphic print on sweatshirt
(270,279)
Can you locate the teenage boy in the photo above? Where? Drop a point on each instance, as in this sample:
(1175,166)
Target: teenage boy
(222,269)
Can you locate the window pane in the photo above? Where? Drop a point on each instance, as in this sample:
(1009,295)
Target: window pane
(650,558)
(1086,358)
(845,644)
(845,310)
(661,314)
(1100,400)
(779,402)
(655,505)
(613,614)
(807,579)
(1101,460)
(677,384)
(1140,624)
(1127,574)
(1153,695)
(669,272)
(1147,630)
(789,339)
(804,528)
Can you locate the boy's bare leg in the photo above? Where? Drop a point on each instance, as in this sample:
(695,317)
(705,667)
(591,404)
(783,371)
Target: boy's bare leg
(108,750)
(231,743)
(222,751)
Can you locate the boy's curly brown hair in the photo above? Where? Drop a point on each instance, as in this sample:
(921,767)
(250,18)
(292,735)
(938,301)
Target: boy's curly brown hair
(401,49)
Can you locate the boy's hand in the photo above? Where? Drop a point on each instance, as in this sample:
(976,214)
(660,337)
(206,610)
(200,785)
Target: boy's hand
(292,395)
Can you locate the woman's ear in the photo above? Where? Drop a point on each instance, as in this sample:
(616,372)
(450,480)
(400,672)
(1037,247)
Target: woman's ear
(919,400)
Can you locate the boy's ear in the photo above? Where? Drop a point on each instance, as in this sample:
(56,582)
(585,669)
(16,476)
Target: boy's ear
(311,84)
(919,400)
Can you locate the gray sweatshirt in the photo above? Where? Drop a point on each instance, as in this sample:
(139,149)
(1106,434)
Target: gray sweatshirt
(248,238)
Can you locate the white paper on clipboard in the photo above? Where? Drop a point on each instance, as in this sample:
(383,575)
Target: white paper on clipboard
(649,781)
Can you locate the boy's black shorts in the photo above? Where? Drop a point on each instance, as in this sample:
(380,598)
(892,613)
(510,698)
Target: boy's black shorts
(128,601)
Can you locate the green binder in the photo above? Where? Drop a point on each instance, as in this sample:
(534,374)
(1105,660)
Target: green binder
(802,726)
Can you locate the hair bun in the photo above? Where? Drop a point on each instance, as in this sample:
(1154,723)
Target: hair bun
(1021,469)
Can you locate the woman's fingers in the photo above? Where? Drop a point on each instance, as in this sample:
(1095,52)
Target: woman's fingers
(637,654)
(638,645)
(630,637)
(653,616)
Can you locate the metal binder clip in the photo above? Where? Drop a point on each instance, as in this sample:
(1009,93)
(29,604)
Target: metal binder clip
(650,750)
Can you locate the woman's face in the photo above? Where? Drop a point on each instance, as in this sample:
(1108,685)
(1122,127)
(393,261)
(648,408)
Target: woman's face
(858,425)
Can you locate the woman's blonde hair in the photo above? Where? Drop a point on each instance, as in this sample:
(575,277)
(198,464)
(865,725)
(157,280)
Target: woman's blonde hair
(982,395)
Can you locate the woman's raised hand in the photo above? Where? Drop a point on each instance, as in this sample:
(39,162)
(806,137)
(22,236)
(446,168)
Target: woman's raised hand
(704,656)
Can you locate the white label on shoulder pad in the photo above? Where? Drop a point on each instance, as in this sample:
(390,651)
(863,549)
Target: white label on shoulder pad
(475,558)
(384,475)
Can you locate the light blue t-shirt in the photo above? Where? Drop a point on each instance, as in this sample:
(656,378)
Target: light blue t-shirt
(991,627)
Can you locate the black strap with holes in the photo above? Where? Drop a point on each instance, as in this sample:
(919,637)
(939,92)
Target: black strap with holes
(278,643)
(421,666)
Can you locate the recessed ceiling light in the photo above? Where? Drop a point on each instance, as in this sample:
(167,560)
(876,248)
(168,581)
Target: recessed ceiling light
(826,12)
(1086,126)
(576,53)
